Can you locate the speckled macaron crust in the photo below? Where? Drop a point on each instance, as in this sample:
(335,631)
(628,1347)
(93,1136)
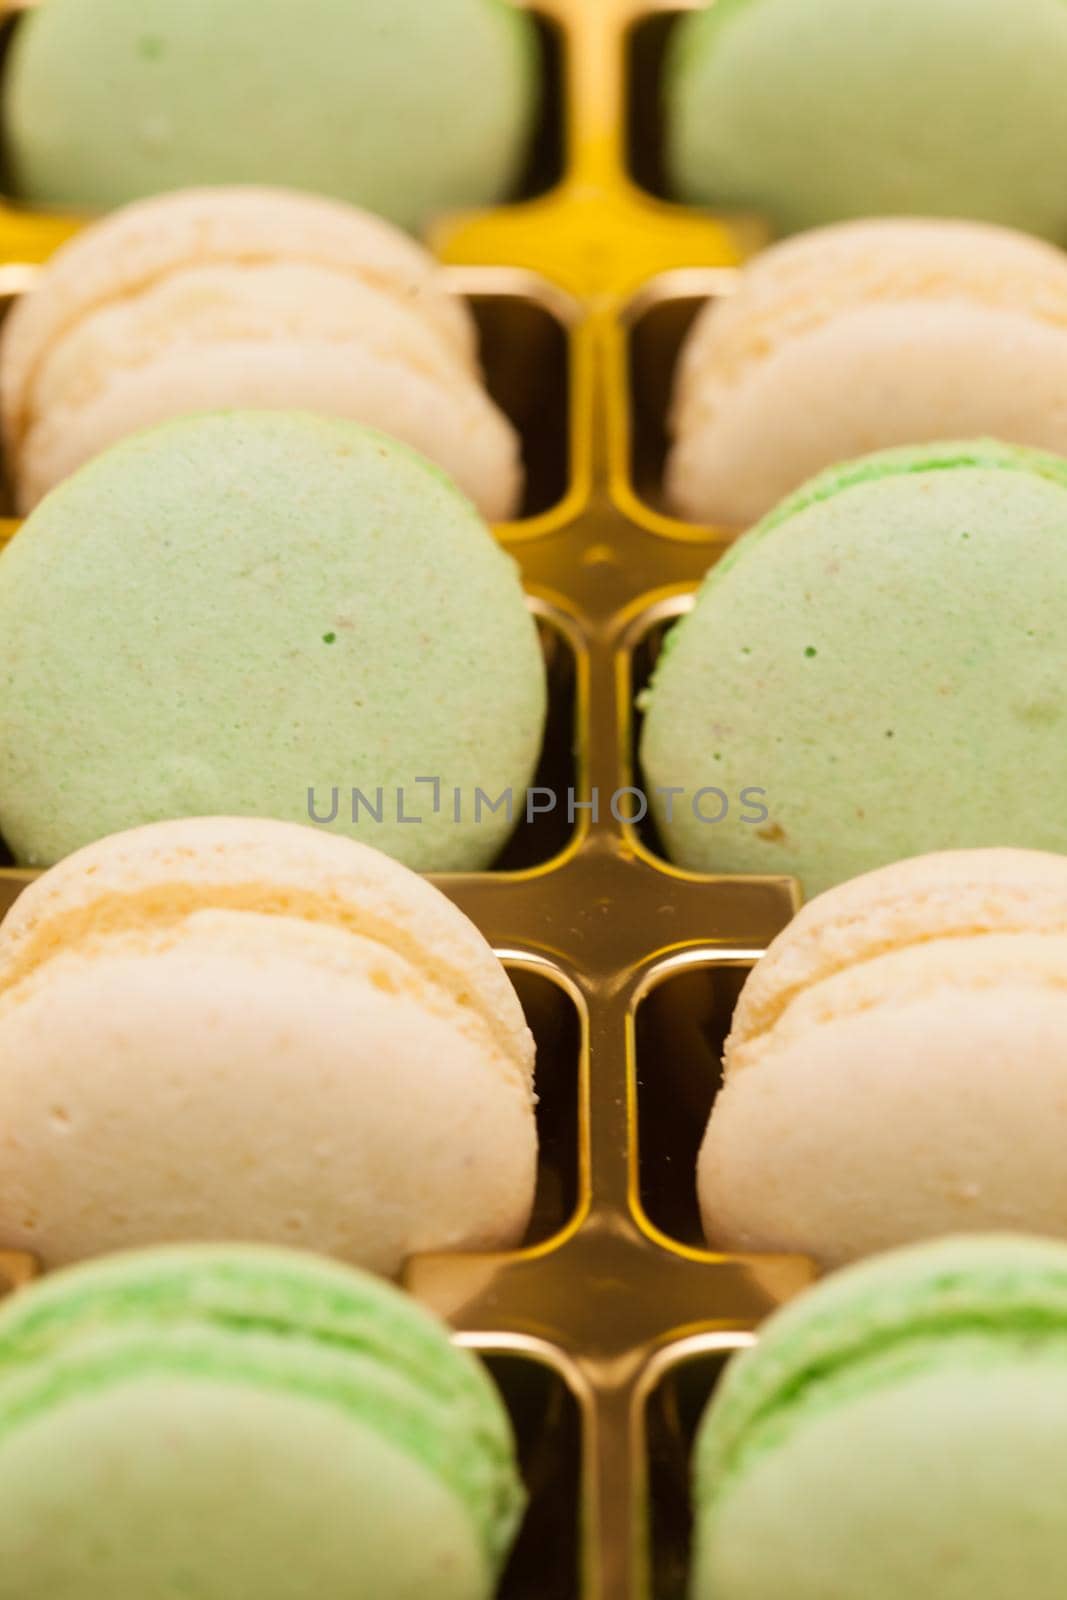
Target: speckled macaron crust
(897,1065)
(212,299)
(406,108)
(244,1425)
(232,1028)
(884,658)
(813,111)
(861,337)
(899,1430)
(256,614)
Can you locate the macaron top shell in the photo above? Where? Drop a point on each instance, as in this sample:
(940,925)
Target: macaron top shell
(995,1286)
(218,298)
(947,109)
(883,657)
(956,895)
(160,876)
(276,1322)
(861,336)
(294,606)
(803,282)
(128,253)
(108,102)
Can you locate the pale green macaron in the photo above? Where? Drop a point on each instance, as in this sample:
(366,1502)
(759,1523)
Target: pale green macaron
(812,111)
(878,670)
(242,1424)
(406,108)
(255,614)
(900,1430)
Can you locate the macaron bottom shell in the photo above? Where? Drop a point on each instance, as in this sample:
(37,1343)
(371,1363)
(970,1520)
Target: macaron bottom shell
(233,1423)
(923,1093)
(171,1487)
(257,1078)
(936,1471)
(897,1430)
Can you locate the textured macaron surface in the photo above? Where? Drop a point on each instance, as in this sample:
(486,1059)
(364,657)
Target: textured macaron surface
(371,102)
(258,613)
(859,337)
(895,1070)
(899,1429)
(883,657)
(267,1350)
(903,106)
(916,904)
(211,299)
(236,1028)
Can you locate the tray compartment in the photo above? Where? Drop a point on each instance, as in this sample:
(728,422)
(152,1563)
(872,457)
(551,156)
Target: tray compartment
(556,1026)
(547,1422)
(652,333)
(672,1415)
(680,1025)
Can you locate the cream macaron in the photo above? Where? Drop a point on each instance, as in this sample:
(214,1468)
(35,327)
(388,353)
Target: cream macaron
(897,1068)
(859,337)
(251,1030)
(242,298)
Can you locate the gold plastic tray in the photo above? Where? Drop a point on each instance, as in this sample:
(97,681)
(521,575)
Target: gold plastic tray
(606,1330)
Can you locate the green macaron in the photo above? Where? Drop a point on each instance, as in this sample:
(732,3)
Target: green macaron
(371,102)
(242,1424)
(900,1430)
(811,111)
(265,614)
(878,670)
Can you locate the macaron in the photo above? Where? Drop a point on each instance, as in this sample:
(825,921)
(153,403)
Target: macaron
(814,111)
(232,1028)
(213,299)
(862,336)
(243,1424)
(898,1430)
(877,670)
(267,614)
(407,109)
(897,1066)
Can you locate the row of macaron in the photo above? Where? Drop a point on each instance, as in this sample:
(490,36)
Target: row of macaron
(244,1423)
(806,111)
(291,616)
(894,1070)
(894,1076)
(845,340)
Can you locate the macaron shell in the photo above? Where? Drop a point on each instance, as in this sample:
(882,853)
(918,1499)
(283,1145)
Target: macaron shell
(122,256)
(406,109)
(948,1483)
(949,895)
(286,1495)
(860,336)
(243,1395)
(333,608)
(255,1078)
(246,297)
(843,656)
(873,377)
(802,283)
(366,358)
(148,880)
(903,106)
(920,1093)
(917,1386)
